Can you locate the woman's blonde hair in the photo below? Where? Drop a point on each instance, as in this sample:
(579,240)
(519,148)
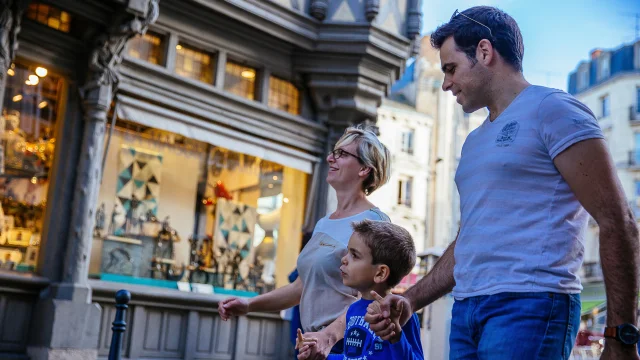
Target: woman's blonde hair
(372,152)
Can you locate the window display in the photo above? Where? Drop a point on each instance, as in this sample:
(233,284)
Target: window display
(30,112)
(172,209)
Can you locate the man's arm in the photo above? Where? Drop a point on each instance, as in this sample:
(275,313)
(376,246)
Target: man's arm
(588,169)
(437,283)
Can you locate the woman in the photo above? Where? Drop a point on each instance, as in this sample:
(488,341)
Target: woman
(358,165)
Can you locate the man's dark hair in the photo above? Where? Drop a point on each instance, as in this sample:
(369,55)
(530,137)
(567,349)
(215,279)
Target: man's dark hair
(390,245)
(505,34)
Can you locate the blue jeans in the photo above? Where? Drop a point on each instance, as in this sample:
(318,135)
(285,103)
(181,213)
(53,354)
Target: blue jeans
(519,326)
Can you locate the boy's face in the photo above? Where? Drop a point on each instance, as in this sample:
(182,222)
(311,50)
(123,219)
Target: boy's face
(357,269)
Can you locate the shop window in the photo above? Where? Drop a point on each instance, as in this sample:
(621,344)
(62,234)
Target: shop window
(50,16)
(149,47)
(175,212)
(283,95)
(31,108)
(194,64)
(240,80)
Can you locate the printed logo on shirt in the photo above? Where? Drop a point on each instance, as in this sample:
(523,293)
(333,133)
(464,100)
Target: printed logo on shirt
(354,343)
(377,345)
(508,134)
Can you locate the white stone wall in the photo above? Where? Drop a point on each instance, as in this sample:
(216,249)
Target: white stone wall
(393,118)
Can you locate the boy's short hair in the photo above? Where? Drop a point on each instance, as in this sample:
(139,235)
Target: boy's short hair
(390,245)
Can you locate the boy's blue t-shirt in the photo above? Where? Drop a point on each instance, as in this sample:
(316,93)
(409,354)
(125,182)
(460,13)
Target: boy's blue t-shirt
(361,343)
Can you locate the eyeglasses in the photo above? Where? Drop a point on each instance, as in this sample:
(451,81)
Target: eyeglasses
(338,153)
(456,13)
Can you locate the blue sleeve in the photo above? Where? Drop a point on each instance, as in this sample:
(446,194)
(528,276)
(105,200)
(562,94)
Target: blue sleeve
(335,357)
(565,121)
(409,347)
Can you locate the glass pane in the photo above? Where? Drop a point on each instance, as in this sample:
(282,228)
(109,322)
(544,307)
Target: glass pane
(178,212)
(283,95)
(31,108)
(50,16)
(240,80)
(194,64)
(149,47)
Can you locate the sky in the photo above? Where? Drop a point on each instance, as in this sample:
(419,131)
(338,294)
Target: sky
(557,34)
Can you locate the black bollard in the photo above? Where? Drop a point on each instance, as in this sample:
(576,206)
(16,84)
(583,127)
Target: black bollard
(119,324)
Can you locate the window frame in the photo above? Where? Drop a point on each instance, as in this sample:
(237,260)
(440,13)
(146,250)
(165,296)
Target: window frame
(404,183)
(605,106)
(213,54)
(286,79)
(260,70)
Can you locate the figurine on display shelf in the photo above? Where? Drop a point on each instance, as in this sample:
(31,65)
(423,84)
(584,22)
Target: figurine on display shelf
(163,254)
(117,219)
(100,221)
(14,139)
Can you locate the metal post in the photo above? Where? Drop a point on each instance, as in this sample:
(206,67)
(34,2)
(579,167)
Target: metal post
(119,324)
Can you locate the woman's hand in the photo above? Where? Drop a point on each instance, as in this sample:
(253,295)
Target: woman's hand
(233,307)
(316,346)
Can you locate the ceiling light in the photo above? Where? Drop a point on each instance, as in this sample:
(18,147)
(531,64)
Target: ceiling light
(17,98)
(42,105)
(248,74)
(270,186)
(286,200)
(42,72)
(33,80)
(11,72)
(275,177)
(178,47)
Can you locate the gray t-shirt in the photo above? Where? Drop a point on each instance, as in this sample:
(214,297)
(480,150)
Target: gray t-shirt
(324,297)
(521,225)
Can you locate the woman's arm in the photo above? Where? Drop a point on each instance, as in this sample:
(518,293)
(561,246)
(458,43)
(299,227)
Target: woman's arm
(276,300)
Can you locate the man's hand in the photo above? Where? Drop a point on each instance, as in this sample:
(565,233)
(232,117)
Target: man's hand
(233,307)
(615,350)
(314,346)
(387,315)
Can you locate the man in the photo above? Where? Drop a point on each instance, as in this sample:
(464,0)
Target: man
(525,178)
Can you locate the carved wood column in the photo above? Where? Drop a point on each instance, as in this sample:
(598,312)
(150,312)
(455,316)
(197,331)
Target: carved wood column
(97,95)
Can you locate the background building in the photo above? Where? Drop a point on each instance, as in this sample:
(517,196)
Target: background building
(175,149)
(609,84)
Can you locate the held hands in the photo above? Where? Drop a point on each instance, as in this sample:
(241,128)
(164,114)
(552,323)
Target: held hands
(233,307)
(387,315)
(313,346)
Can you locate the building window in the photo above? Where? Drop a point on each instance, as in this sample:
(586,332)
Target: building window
(636,204)
(638,100)
(583,79)
(50,16)
(604,67)
(407,141)
(32,108)
(606,105)
(240,80)
(148,47)
(194,64)
(404,191)
(283,95)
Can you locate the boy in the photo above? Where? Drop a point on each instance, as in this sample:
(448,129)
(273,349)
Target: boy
(379,255)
